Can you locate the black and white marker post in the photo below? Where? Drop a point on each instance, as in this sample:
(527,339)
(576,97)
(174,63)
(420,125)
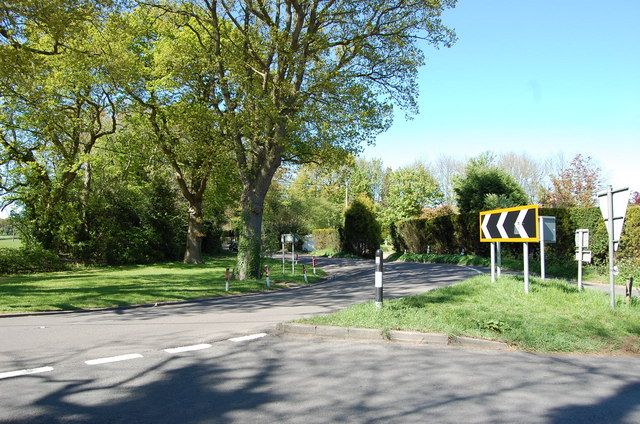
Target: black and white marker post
(266,273)
(379,278)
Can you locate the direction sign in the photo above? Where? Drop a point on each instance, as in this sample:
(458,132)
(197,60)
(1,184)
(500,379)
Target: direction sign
(548,229)
(582,238)
(613,205)
(511,224)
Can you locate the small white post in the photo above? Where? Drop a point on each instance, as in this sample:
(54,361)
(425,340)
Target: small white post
(580,263)
(499,259)
(525,253)
(493,262)
(293,256)
(542,265)
(266,273)
(378,278)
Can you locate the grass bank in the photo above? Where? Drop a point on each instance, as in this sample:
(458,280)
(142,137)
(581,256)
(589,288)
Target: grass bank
(131,285)
(10,242)
(553,317)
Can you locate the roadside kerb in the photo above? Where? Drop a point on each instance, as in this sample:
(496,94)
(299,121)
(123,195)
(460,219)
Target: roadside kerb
(352,333)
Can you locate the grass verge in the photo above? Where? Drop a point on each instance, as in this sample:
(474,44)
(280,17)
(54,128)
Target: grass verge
(132,285)
(10,242)
(553,317)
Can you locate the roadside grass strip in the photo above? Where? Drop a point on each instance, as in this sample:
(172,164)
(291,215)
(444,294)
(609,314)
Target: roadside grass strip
(553,317)
(19,373)
(136,285)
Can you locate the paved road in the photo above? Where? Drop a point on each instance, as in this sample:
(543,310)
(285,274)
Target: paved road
(36,341)
(273,379)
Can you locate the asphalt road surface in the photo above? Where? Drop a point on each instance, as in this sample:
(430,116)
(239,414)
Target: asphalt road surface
(190,363)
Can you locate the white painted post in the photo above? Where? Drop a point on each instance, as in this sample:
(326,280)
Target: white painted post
(378,278)
(542,265)
(266,272)
(499,259)
(226,285)
(580,263)
(493,262)
(293,256)
(525,253)
(612,281)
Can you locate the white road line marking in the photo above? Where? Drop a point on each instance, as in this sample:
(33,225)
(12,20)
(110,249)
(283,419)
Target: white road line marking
(247,338)
(25,372)
(472,269)
(188,348)
(113,359)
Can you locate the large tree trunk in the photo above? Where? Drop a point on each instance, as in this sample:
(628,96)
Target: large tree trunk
(254,190)
(250,246)
(193,251)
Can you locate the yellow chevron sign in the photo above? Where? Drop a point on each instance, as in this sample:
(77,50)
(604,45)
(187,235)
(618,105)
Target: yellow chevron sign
(510,224)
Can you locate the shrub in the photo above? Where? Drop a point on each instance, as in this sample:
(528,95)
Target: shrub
(326,238)
(29,260)
(362,232)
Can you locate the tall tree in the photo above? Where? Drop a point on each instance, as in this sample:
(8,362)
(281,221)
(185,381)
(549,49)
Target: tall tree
(485,186)
(575,185)
(445,169)
(54,108)
(528,173)
(410,189)
(300,80)
(157,60)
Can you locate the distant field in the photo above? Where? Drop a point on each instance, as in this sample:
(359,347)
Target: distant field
(9,241)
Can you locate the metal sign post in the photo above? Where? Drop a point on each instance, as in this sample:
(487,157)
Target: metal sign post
(493,262)
(582,255)
(525,259)
(511,224)
(613,204)
(283,245)
(547,235)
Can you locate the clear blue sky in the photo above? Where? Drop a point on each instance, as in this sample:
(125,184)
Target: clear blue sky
(542,77)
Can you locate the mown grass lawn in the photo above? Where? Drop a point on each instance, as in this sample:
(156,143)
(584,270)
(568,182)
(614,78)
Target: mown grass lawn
(132,285)
(553,317)
(10,242)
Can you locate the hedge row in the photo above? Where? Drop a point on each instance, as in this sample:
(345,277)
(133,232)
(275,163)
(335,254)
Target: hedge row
(29,260)
(461,232)
(327,238)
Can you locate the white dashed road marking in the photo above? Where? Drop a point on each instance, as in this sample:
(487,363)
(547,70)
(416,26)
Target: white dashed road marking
(188,348)
(130,356)
(114,359)
(247,338)
(25,372)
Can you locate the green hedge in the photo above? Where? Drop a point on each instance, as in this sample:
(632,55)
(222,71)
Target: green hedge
(452,233)
(29,260)
(327,238)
